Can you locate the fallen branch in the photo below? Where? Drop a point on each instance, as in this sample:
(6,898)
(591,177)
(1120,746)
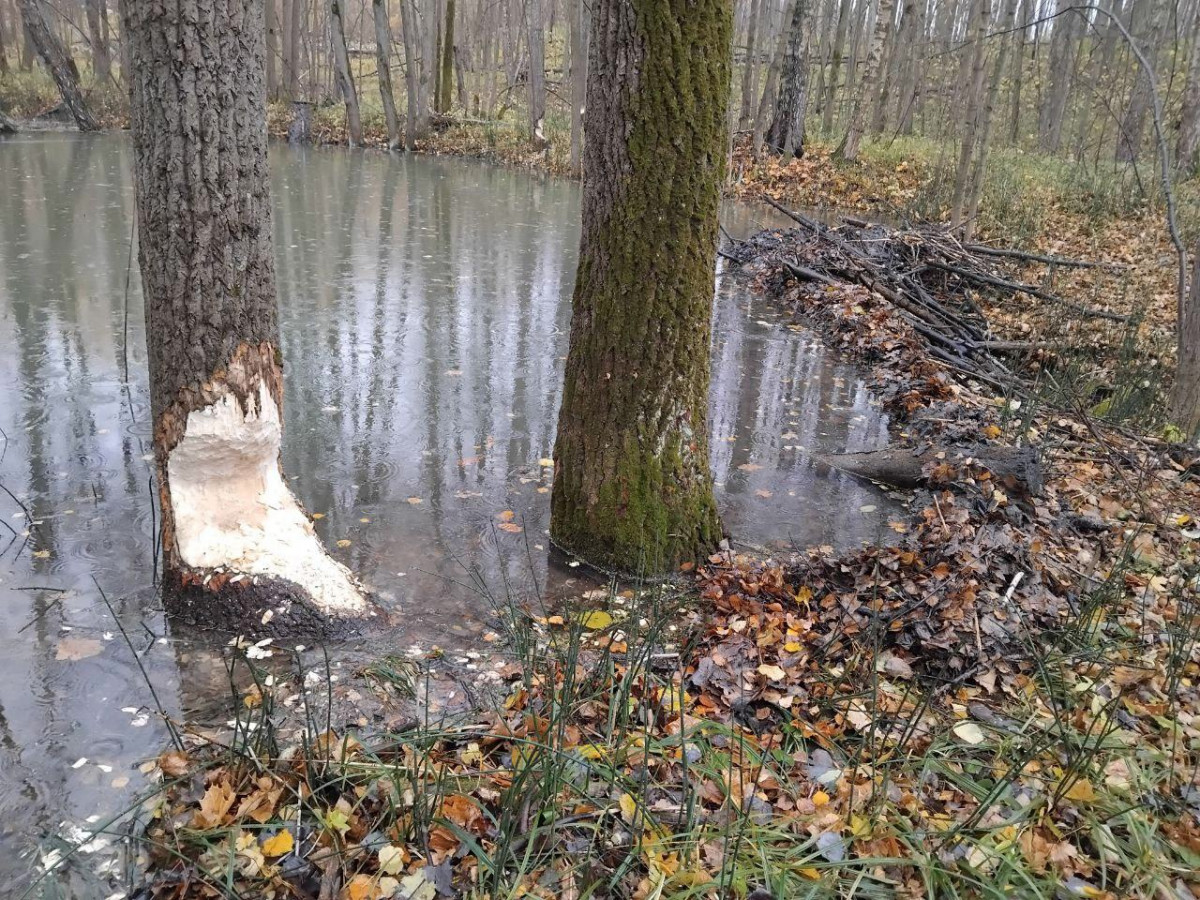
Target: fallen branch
(904,467)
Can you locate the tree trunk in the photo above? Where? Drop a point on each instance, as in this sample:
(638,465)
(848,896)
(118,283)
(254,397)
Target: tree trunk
(848,149)
(3,41)
(272,51)
(383,62)
(7,125)
(446,79)
(101,61)
(341,59)
(412,101)
(632,487)
(56,59)
(1187,150)
(979,169)
(234,538)
(747,108)
(1063,45)
(1133,123)
(786,134)
(291,59)
(579,55)
(973,113)
(904,467)
(537,75)
(1185,395)
(835,65)
(766,104)
(892,51)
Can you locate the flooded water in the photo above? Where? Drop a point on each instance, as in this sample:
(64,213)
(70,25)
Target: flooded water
(425,312)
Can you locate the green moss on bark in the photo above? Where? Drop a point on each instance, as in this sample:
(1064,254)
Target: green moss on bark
(632,487)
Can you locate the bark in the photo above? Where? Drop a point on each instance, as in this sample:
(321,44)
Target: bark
(632,487)
(345,78)
(849,147)
(446,79)
(1185,394)
(766,104)
(412,103)
(7,125)
(383,62)
(747,108)
(903,467)
(893,52)
(835,65)
(1187,150)
(537,75)
(101,61)
(233,537)
(786,134)
(579,54)
(54,56)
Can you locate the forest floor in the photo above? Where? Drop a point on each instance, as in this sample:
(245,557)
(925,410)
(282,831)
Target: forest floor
(1003,703)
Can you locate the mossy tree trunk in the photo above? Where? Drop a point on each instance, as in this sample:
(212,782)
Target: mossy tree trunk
(632,487)
(233,537)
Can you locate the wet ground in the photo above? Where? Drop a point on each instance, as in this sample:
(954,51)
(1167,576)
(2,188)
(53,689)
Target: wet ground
(425,310)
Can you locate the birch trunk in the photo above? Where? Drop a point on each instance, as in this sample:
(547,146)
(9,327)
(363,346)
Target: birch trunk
(849,147)
(632,487)
(235,541)
(786,134)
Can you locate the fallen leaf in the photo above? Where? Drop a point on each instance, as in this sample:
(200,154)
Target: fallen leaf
(214,806)
(279,845)
(969,732)
(595,620)
(76,648)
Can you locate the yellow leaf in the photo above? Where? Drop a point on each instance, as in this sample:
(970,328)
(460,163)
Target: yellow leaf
(991,431)
(820,798)
(969,732)
(595,620)
(507,516)
(510,527)
(1081,791)
(392,859)
(545,461)
(810,872)
(214,806)
(280,845)
(360,887)
(792,647)
(628,807)
(343,543)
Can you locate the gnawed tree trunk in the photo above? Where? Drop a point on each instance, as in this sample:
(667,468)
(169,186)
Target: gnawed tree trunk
(234,538)
(786,134)
(904,467)
(848,149)
(101,61)
(1185,395)
(537,75)
(446,79)
(56,59)
(341,60)
(632,487)
(383,62)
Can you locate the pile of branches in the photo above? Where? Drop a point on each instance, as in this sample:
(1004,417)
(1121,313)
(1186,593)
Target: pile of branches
(928,276)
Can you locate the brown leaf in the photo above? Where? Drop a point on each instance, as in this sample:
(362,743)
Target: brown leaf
(214,806)
(76,648)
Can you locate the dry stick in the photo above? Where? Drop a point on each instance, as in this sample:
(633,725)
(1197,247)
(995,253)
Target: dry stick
(1030,289)
(1063,261)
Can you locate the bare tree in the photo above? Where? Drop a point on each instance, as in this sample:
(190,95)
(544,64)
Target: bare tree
(537,73)
(786,134)
(835,64)
(101,62)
